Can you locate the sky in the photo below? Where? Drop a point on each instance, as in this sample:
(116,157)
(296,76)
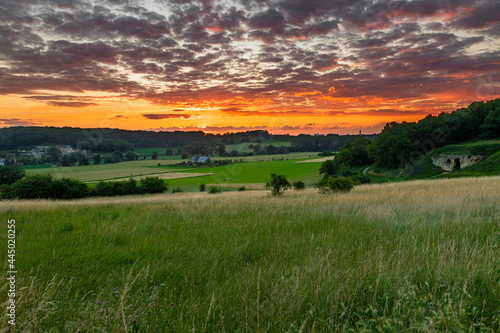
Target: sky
(287,66)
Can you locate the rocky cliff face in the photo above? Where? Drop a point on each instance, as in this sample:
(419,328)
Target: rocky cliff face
(449,162)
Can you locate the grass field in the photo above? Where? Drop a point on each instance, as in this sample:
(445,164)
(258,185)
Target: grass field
(106,171)
(420,256)
(254,172)
(137,169)
(243,147)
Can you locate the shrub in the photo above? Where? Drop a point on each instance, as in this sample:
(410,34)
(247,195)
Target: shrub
(67,188)
(325,153)
(241,188)
(202,188)
(103,189)
(337,184)
(362,178)
(152,185)
(299,185)
(214,189)
(176,190)
(278,184)
(10,174)
(33,187)
(108,160)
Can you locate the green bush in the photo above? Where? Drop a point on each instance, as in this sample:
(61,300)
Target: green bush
(10,174)
(67,188)
(362,178)
(176,190)
(33,187)
(214,189)
(337,184)
(241,188)
(202,188)
(150,185)
(299,185)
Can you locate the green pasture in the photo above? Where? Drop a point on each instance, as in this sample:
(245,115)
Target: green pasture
(243,147)
(147,167)
(253,172)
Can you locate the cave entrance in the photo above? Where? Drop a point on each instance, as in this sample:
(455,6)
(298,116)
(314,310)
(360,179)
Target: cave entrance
(457,164)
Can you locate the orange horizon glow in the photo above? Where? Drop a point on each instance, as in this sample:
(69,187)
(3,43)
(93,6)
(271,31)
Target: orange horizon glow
(340,115)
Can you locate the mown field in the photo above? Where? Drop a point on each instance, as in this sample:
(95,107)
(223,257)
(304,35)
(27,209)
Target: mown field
(257,171)
(254,172)
(420,256)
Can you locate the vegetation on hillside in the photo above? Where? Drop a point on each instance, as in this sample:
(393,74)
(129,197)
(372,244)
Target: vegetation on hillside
(399,144)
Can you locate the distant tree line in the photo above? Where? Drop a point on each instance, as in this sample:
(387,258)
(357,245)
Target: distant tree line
(105,140)
(15,184)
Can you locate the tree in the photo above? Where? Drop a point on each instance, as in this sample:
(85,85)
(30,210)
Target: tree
(97,159)
(154,156)
(184,155)
(84,161)
(491,125)
(278,184)
(10,174)
(54,154)
(68,160)
(108,159)
(328,168)
(130,156)
(395,147)
(221,150)
(117,156)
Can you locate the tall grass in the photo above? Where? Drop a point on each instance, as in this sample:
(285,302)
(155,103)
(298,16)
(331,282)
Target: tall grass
(417,256)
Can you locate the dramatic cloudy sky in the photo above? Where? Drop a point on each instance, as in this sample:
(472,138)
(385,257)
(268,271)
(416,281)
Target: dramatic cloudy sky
(289,66)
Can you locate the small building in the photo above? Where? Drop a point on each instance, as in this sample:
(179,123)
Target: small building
(37,152)
(200,160)
(66,149)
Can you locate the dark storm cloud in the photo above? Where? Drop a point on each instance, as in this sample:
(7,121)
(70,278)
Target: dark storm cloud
(71,104)
(220,50)
(157,116)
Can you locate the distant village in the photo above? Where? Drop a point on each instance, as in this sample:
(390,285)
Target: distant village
(38,153)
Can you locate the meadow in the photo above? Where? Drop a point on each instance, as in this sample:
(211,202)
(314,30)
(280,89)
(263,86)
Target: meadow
(419,256)
(257,171)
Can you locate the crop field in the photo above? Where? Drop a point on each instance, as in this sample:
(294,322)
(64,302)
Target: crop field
(254,172)
(420,256)
(138,169)
(106,171)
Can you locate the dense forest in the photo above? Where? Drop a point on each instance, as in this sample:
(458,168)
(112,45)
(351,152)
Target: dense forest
(400,143)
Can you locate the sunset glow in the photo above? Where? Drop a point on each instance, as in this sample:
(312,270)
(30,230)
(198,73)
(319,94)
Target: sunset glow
(287,66)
